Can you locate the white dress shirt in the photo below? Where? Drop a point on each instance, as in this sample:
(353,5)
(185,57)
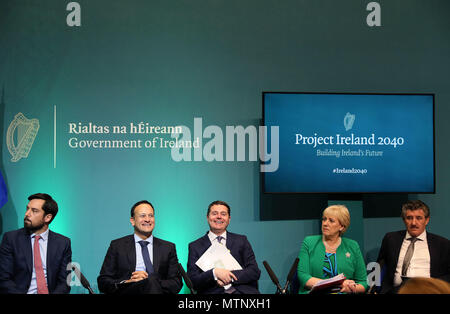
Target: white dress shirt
(213,238)
(140,265)
(420,261)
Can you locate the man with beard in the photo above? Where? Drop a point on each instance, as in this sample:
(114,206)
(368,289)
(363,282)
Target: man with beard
(413,252)
(34,259)
(140,263)
(219,280)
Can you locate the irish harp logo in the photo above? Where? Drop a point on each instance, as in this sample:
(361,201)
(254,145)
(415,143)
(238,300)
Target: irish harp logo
(20,136)
(349,119)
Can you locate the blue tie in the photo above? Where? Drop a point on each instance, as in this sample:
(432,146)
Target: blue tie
(146,256)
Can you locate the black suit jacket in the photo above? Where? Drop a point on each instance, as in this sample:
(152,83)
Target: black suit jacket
(438,246)
(241,250)
(120,263)
(16,262)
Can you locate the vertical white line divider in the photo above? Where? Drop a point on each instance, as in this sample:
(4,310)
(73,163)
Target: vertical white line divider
(54,138)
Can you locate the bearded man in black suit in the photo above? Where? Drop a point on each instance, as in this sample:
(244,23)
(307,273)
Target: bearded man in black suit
(34,259)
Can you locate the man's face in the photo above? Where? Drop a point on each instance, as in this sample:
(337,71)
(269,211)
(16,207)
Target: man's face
(35,218)
(143,220)
(218,219)
(415,222)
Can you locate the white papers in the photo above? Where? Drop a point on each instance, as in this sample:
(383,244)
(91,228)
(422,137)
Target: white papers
(217,256)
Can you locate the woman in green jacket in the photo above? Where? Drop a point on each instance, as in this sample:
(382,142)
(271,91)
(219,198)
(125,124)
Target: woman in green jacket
(327,255)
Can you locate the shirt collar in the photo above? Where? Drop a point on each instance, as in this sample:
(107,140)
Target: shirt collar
(212,236)
(422,236)
(43,235)
(149,239)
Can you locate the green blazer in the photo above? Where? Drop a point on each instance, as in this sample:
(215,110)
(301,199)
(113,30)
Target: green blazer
(348,255)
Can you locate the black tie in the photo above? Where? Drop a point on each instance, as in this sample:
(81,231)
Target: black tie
(408,255)
(146,256)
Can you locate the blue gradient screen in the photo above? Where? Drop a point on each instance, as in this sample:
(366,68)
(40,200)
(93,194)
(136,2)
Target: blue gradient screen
(355,143)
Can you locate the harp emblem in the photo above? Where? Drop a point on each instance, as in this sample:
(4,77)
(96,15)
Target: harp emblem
(349,119)
(20,136)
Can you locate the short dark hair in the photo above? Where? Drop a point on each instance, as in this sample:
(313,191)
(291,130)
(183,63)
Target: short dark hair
(50,206)
(140,203)
(219,203)
(415,205)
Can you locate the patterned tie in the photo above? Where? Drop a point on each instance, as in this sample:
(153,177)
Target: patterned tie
(40,276)
(146,256)
(219,239)
(408,255)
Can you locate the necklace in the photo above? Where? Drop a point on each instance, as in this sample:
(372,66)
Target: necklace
(331,248)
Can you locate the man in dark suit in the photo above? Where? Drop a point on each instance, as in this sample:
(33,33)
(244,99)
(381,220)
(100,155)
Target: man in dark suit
(34,259)
(414,252)
(219,280)
(140,263)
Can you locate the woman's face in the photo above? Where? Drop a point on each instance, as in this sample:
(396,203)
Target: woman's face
(331,225)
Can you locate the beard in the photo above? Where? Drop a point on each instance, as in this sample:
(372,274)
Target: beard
(32,228)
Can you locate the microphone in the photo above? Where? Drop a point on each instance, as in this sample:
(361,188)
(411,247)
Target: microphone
(291,274)
(83,280)
(186,278)
(272,276)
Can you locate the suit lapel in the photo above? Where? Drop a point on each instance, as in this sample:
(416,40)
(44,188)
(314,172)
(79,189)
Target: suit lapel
(156,251)
(26,244)
(131,253)
(397,246)
(230,241)
(233,246)
(205,243)
(433,253)
(51,251)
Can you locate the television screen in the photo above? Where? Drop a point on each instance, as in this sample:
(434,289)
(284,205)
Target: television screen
(351,143)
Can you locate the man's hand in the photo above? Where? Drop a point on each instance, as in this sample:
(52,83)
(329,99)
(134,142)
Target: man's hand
(137,276)
(224,276)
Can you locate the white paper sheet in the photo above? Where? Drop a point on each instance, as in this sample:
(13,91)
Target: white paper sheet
(217,256)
